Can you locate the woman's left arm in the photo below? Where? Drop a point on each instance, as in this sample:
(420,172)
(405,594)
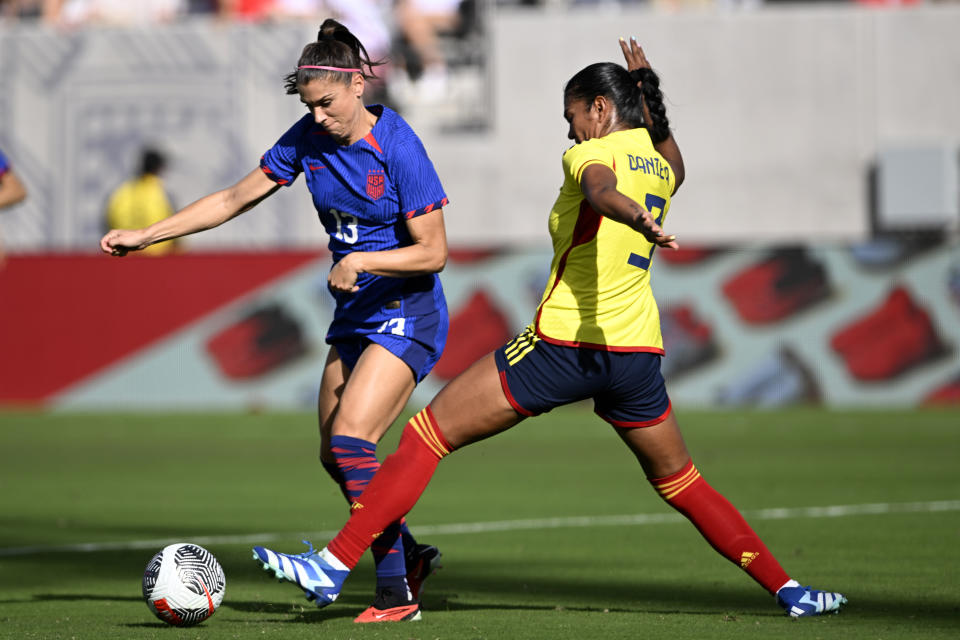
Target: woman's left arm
(427,254)
(599,187)
(668,148)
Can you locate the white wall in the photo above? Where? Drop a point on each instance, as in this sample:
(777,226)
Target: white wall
(779,112)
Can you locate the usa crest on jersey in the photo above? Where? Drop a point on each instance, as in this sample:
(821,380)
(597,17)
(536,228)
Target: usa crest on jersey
(375,184)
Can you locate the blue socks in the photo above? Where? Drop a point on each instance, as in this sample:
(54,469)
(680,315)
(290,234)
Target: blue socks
(356,462)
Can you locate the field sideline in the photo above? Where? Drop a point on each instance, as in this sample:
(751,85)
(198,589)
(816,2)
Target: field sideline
(548,531)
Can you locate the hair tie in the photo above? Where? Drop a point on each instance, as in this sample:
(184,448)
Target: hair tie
(326,68)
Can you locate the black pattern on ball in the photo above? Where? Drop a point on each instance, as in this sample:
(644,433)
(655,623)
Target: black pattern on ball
(198,568)
(150,574)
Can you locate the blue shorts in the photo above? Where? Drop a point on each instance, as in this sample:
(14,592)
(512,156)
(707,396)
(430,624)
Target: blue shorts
(418,341)
(627,388)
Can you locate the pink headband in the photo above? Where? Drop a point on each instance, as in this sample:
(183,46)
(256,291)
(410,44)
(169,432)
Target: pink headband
(314,66)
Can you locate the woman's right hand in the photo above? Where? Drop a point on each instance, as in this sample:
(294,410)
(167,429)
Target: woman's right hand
(343,275)
(117,242)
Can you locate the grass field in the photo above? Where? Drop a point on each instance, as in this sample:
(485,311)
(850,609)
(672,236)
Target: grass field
(129,484)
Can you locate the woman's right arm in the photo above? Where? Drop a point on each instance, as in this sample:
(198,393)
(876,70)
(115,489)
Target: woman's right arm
(599,187)
(206,213)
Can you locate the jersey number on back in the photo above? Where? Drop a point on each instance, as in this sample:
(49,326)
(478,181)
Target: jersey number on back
(655,205)
(346,226)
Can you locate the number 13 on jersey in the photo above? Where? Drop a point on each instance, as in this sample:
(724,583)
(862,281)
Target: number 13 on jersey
(655,205)
(346,226)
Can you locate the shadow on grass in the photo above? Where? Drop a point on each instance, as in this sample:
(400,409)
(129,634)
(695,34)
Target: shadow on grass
(645,598)
(475,586)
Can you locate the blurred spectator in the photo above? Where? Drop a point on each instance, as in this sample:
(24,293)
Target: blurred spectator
(420,23)
(297,9)
(580,3)
(368,20)
(200,7)
(30,9)
(263,10)
(889,3)
(120,11)
(142,200)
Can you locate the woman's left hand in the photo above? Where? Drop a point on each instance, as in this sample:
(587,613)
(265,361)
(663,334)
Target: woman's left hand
(654,233)
(633,54)
(343,276)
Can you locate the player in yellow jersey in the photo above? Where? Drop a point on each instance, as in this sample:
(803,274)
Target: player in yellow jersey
(596,335)
(598,294)
(142,201)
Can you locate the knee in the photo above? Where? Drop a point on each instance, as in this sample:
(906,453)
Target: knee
(344,426)
(665,466)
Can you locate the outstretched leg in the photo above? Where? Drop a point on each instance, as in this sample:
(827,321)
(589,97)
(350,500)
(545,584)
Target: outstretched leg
(470,408)
(663,455)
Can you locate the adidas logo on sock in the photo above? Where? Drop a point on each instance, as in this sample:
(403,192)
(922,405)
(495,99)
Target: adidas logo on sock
(747,557)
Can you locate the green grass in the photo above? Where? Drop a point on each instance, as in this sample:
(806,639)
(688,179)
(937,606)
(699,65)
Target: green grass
(67,479)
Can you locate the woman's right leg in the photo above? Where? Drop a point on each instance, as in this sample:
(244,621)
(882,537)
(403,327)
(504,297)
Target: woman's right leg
(470,408)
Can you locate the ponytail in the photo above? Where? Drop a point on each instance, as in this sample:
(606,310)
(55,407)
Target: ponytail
(650,94)
(337,53)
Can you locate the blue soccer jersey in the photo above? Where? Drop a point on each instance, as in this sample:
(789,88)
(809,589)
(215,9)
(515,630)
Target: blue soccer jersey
(4,164)
(364,194)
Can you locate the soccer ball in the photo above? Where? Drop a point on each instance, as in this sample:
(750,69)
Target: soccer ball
(183,584)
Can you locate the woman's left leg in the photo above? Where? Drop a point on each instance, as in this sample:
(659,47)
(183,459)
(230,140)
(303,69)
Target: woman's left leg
(663,455)
(665,460)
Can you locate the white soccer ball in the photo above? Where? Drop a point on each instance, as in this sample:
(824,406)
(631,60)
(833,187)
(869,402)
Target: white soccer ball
(183,584)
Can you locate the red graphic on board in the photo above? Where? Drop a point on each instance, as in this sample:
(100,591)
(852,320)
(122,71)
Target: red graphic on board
(476,329)
(892,338)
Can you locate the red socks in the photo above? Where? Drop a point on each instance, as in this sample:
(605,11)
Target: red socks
(721,524)
(403,476)
(394,489)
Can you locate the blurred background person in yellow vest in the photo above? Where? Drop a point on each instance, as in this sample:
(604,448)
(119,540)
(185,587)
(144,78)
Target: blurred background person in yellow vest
(142,201)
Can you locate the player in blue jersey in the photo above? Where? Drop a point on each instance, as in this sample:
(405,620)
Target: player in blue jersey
(12,190)
(380,199)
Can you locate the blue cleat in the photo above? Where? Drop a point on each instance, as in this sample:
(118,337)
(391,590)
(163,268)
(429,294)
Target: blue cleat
(800,601)
(318,573)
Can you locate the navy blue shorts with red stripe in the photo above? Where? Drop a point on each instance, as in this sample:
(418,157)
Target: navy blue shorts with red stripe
(627,387)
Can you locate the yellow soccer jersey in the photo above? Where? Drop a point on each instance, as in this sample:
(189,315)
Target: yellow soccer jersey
(598,294)
(139,203)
